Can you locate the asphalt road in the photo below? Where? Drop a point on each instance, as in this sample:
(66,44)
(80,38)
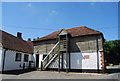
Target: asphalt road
(61,75)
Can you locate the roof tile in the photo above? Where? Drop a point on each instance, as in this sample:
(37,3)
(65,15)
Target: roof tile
(14,43)
(77,31)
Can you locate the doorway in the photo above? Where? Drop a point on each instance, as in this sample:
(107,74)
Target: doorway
(37,61)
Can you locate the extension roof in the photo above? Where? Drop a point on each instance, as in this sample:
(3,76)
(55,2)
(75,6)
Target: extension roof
(74,32)
(11,42)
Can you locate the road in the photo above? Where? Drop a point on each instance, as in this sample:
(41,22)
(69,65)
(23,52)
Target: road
(61,75)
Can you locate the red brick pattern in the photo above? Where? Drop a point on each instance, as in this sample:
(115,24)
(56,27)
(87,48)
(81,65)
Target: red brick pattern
(102,59)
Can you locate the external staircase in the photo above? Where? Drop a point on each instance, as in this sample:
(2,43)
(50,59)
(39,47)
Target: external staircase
(60,47)
(51,56)
(54,53)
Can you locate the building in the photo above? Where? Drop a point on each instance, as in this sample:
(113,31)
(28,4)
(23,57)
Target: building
(75,49)
(15,53)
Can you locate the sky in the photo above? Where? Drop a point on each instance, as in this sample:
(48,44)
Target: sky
(37,19)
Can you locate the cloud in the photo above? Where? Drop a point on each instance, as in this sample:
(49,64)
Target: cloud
(29,5)
(53,12)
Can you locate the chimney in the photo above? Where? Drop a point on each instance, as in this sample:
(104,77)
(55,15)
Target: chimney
(19,35)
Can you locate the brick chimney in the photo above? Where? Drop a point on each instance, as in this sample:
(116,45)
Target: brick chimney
(19,35)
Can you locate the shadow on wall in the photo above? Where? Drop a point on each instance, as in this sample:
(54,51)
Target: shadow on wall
(74,47)
(76,61)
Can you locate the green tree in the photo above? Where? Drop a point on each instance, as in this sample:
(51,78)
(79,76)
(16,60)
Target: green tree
(29,39)
(112,52)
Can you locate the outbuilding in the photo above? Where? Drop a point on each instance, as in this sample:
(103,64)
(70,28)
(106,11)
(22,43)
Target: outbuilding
(75,49)
(15,53)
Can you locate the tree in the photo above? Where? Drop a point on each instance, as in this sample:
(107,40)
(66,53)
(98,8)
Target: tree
(29,39)
(112,51)
(37,37)
(34,39)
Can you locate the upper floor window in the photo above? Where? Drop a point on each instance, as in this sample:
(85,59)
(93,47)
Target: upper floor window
(18,57)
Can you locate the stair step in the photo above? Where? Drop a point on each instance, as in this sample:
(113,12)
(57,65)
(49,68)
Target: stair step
(60,46)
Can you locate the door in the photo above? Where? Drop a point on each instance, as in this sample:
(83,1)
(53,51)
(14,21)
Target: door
(37,60)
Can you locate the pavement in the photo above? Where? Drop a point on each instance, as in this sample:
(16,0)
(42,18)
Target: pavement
(113,67)
(60,75)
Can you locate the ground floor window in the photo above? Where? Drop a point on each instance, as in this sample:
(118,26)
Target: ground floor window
(18,57)
(26,57)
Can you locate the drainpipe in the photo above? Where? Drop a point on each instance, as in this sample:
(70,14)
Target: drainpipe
(4,59)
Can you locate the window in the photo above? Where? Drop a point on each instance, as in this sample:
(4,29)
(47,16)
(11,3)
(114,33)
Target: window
(18,57)
(26,57)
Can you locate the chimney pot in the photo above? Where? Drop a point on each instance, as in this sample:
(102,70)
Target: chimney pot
(19,35)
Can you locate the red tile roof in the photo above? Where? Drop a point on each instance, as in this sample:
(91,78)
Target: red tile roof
(14,43)
(74,32)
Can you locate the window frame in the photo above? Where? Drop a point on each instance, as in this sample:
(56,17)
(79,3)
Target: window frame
(26,55)
(18,57)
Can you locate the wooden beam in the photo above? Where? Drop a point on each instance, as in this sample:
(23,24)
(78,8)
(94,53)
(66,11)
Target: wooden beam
(59,56)
(67,56)
(62,61)
(97,46)
(59,63)
(41,65)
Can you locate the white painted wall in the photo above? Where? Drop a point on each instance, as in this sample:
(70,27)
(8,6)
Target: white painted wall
(40,59)
(34,56)
(11,64)
(55,63)
(79,62)
(31,58)
(1,56)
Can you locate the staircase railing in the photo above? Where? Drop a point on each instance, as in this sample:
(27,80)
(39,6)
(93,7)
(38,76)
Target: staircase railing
(51,56)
